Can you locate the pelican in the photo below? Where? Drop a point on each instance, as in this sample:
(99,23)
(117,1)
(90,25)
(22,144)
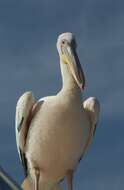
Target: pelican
(53,133)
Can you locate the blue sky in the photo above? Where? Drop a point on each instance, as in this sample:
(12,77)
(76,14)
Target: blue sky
(29,61)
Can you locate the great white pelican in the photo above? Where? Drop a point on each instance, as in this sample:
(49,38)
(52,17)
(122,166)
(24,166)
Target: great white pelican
(54,132)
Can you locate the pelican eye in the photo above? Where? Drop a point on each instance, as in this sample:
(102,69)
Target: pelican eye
(63,41)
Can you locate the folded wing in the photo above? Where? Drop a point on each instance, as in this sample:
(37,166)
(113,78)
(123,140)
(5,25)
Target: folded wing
(92,109)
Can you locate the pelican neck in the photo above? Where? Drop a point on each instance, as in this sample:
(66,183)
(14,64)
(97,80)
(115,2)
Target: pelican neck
(69,85)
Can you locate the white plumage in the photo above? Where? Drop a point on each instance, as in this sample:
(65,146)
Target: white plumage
(53,133)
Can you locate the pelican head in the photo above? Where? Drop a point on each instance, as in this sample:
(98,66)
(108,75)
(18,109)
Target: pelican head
(66,45)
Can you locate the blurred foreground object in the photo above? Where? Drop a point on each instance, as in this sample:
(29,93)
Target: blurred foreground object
(6,182)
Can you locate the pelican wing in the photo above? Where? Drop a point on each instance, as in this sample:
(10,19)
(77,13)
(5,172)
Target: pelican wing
(25,110)
(92,109)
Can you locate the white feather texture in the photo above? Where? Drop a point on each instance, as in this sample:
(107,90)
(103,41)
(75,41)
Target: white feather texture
(62,127)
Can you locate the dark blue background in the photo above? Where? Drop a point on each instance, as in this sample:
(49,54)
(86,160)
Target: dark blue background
(29,61)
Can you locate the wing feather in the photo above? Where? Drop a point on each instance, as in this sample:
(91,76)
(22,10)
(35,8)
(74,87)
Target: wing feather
(23,110)
(92,109)
(26,109)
